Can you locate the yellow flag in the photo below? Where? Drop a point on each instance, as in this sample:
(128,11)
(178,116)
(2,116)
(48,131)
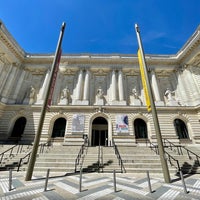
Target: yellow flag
(147,98)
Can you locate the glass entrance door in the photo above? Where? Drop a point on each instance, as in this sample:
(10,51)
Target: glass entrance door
(99,137)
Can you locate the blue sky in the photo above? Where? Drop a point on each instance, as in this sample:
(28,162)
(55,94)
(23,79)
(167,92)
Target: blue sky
(101,26)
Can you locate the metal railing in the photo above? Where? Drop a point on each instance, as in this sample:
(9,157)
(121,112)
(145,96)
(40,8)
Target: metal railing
(81,152)
(170,158)
(119,158)
(9,152)
(41,149)
(180,149)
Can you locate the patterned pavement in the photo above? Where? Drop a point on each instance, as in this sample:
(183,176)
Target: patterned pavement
(98,186)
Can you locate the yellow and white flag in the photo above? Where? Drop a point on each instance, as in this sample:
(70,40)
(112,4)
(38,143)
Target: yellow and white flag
(144,83)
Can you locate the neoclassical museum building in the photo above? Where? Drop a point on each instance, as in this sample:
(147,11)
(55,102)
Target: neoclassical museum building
(99,96)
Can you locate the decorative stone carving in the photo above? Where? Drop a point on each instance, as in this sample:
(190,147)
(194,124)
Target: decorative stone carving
(134,98)
(170,98)
(99,97)
(32,95)
(65,97)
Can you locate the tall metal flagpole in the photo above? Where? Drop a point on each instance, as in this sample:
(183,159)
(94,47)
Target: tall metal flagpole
(44,107)
(154,112)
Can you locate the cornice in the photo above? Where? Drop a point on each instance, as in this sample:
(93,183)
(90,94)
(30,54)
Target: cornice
(11,43)
(101,59)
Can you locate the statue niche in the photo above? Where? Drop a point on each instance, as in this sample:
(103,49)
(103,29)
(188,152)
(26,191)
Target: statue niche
(170,98)
(134,98)
(99,98)
(65,97)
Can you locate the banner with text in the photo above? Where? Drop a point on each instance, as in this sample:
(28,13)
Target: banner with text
(122,124)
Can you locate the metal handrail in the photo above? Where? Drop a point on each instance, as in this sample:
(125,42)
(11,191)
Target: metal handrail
(81,151)
(191,152)
(41,150)
(19,150)
(180,151)
(171,157)
(10,149)
(172,145)
(155,149)
(21,159)
(119,157)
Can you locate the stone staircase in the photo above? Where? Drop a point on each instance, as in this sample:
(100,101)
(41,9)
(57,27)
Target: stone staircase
(11,158)
(100,159)
(188,161)
(139,159)
(59,159)
(136,159)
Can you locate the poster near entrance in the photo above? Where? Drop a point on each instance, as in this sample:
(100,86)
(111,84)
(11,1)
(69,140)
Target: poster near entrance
(122,124)
(78,123)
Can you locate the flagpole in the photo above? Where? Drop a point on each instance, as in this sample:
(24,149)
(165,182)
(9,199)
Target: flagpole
(33,156)
(153,111)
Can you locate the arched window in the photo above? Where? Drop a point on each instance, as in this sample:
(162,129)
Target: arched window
(181,129)
(19,127)
(140,128)
(59,127)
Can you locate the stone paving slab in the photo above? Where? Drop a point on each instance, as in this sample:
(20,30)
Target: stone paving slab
(98,186)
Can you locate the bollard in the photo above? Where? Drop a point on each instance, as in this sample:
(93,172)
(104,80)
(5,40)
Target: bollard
(183,182)
(80,181)
(10,180)
(149,182)
(46,181)
(114,181)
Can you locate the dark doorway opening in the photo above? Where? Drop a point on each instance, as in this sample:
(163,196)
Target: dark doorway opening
(59,128)
(99,132)
(140,129)
(18,128)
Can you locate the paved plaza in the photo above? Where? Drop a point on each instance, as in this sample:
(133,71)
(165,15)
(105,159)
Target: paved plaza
(98,186)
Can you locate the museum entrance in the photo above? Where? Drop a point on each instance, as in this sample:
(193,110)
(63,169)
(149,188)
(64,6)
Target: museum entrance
(99,132)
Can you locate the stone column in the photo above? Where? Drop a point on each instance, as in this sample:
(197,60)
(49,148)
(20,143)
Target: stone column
(192,88)
(40,97)
(113,84)
(79,86)
(9,85)
(182,97)
(155,88)
(19,85)
(86,86)
(120,86)
(4,76)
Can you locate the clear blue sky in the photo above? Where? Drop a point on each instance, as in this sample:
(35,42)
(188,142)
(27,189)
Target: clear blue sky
(101,26)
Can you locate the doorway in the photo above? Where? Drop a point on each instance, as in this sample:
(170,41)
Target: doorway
(99,132)
(59,128)
(18,128)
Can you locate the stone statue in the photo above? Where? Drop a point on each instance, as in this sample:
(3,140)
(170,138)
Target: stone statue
(134,98)
(169,94)
(32,95)
(170,98)
(65,96)
(99,94)
(134,93)
(99,97)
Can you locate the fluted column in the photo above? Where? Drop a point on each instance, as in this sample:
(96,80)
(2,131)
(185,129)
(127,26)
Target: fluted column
(9,85)
(120,86)
(113,84)
(79,85)
(44,86)
(86,86)
(181,86)
(155,86)
(19,85)
(192,87)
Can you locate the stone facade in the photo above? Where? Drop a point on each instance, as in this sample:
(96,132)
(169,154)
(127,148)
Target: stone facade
(94,93)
